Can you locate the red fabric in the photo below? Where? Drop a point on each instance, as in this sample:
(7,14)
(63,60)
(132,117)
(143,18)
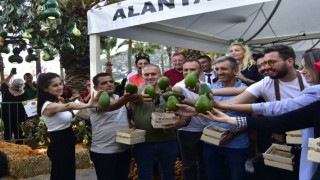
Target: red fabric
(85,94)
(136,79)
(174,76)
(317,66)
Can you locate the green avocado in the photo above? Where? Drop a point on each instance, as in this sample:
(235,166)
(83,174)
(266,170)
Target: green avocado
(26,35)
(203,104)
(163,83)
(131,88)
(45,56)
(104,100)
(75,31)
(191,80)
(150,90)
(166,95)
(171,103)
(204,89)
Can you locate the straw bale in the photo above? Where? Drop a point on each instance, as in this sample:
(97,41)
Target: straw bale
(23,162)
(14,151)
(29,166)
(82,157)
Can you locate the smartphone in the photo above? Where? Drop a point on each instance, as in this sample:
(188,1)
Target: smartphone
(14,70)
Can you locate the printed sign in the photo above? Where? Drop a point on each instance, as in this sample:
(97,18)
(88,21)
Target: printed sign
(30,107)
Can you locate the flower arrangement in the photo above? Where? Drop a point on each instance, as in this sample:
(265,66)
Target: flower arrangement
(142,55)
(237,41)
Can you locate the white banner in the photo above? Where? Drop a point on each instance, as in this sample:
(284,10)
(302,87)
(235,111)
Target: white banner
(135,12)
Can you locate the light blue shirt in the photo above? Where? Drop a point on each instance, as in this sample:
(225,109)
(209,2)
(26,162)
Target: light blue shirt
(307,96)
(241,140)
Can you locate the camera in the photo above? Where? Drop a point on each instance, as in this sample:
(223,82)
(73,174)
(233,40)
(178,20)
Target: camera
(13,71)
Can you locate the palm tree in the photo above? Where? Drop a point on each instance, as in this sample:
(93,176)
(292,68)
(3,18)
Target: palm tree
(138,47)
(108,44)
(169,52)
(127,42)
(129,55)
(144,47)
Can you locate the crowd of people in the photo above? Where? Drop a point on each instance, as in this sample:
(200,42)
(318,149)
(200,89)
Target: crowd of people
(267,80)
(15,91)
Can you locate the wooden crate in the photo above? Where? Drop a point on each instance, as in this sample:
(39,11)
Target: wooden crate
(279,156)
(130,136)
(294,137)
(213,134)
(158,119)
(314,151)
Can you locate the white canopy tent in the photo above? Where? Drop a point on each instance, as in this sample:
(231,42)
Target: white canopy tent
(206,24)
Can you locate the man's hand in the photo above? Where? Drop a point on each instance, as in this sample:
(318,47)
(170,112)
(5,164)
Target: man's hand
(195,89)
(95,100)
(131,97)
(229,135)
(146,98)
(190,102)
(72,98)
(177,123)
(32,85)
(214,103)
(167,89)
(186,110)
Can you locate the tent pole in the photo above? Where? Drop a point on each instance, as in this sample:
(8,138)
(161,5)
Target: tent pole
(95,62)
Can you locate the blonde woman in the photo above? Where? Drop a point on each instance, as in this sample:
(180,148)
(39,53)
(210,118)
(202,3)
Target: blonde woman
(248,71)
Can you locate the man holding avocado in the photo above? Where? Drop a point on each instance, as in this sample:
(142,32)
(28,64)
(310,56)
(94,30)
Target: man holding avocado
(234,146)
(191,146)
(111,159)
(160,144)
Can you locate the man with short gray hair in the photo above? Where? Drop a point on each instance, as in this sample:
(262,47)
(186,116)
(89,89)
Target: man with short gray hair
(234,147)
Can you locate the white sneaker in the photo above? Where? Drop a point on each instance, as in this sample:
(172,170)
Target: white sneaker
(249,166)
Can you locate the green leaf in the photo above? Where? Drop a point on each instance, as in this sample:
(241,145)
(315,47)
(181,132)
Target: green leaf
(19,11)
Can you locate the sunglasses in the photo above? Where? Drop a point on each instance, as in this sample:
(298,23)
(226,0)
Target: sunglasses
(270,63)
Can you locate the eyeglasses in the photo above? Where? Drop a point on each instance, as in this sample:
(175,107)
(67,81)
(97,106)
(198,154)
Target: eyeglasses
(270,63)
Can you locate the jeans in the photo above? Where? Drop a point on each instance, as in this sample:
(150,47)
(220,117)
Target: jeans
(191,149)
(166,152)
(111,166)
(215,157)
